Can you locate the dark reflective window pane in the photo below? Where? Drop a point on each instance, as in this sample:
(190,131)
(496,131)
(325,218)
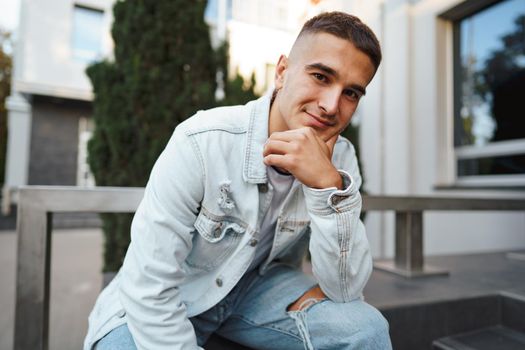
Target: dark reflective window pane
(492,75)
(492,165)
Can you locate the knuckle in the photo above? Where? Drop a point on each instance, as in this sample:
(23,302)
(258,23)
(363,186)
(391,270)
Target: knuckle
(293,162)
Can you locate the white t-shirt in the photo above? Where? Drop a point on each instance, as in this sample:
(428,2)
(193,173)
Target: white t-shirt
(281,185)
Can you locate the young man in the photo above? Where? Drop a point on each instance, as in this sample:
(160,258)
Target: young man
(233,203)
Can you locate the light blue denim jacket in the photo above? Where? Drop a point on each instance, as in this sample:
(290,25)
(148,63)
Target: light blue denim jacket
(196,230)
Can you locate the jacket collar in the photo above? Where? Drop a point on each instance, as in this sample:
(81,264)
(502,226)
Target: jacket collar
(254,170)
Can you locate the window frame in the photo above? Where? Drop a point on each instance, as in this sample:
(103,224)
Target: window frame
(500,148)
(75,53)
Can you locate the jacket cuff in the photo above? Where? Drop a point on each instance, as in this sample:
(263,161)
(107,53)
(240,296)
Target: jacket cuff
(328,200)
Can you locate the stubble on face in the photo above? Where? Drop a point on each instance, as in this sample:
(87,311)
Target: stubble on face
(300,95)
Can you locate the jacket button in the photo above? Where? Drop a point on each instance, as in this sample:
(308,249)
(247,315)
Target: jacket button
(337,199)
(263,188)
(121,313)
(219,282)
(253,242)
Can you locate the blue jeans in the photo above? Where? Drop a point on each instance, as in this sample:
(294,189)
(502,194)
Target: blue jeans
(255,314)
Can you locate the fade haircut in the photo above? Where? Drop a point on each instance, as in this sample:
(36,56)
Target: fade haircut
(347,27)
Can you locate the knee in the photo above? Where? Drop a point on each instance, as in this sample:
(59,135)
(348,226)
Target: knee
(375,326)
(356,323)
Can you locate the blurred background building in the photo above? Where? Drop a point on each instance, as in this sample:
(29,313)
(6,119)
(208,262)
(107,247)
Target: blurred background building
(441,118)
(435,121)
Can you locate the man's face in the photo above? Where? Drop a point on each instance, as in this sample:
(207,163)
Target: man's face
(319,85)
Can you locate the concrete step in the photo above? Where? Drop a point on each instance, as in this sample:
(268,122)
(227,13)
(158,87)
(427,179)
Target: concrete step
(490,338)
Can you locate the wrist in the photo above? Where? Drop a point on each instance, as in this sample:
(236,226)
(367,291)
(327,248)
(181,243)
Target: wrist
(332,179)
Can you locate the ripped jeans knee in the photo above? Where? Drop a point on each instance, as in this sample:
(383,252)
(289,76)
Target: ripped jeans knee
(298,312)
(300,318)
(329,325)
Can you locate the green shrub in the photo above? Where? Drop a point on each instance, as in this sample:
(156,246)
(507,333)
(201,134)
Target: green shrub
(164,70)
(5,90)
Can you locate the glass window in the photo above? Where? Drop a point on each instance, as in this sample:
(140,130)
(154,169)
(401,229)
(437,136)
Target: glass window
(490,90)
(265,13)
(492,165)
(273,14)
(87,33)
(211,13)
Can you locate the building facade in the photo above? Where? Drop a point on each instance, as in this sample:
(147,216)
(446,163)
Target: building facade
(432,123)
(50,105)
(439,119)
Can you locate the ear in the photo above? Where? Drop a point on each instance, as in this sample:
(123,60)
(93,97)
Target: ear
(280,70)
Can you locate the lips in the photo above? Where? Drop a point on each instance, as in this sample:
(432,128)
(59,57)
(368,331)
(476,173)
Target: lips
(321,122)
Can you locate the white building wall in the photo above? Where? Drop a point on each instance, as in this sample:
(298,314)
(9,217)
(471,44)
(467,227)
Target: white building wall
(45,63)
(19,123)
(406,131)
(253,49)
(262,30)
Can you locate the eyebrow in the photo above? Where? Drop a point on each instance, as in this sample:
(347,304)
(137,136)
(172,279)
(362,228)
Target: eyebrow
(330,71)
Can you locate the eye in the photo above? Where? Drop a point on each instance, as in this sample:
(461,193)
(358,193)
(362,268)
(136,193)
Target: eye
(320,77)
(352,94)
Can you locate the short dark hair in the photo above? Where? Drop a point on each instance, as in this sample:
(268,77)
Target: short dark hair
(347,27)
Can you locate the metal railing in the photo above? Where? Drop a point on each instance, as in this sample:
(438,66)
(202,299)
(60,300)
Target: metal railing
(37,204)
(408,257)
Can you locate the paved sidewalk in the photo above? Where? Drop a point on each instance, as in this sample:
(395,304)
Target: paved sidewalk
(76,262)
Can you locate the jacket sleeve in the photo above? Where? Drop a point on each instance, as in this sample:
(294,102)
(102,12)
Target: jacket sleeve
(341,259)
(161,239)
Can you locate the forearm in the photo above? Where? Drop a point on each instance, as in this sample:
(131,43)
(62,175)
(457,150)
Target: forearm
(161,239)
(341,259)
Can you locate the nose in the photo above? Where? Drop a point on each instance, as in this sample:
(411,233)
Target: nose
(329,101)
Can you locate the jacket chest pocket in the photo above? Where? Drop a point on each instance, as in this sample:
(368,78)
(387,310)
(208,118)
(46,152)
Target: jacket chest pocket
(215,239)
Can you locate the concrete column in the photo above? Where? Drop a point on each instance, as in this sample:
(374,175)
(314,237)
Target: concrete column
(397,103)
(387,110)
(18,140)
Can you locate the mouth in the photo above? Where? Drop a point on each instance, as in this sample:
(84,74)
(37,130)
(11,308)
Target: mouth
(320,122)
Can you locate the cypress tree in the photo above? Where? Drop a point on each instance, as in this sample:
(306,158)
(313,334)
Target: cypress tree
(5,90)
(163,71)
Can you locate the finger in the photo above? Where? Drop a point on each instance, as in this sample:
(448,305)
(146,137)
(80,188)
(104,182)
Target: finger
(292,135)
(282,136)
(326,146)
(276,147)
(307,131)
(277,160)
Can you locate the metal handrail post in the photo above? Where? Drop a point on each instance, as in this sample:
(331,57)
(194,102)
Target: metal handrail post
(34,225)
(409,240)
(33,274)
(409,260)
